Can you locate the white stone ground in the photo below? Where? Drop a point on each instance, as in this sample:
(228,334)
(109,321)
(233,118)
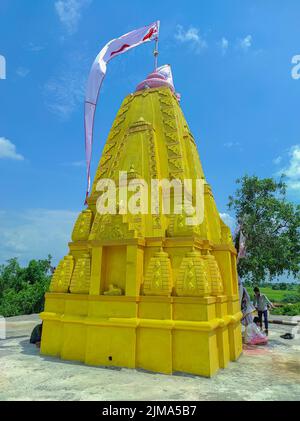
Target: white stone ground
(262,373)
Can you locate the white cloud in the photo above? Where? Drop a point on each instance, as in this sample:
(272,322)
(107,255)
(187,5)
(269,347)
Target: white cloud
(78,164)
(224,44)
(35,233)
(69,12)
(8,150)
(245,43)
(191,37)
(228,220)
(277,161)
(292,171)
(65,91)
(75,164)
(22,71)
(34,48)
(231,144)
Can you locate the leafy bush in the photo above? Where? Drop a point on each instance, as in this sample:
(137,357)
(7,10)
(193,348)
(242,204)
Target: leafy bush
(291,298)
(288,310)
(22,290)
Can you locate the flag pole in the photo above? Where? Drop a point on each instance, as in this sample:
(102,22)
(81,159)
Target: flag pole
(155,53)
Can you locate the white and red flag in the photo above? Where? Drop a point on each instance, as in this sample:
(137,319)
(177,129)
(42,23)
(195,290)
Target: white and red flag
(112,49)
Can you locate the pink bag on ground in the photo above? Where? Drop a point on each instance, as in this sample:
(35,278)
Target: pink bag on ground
(253,336)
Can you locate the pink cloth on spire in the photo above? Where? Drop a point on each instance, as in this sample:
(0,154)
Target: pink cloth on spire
(162,76)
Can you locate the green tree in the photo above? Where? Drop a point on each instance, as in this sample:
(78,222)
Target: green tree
(22,290)
(271,226)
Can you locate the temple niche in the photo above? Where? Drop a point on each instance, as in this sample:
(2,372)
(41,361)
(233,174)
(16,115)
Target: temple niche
(147,290)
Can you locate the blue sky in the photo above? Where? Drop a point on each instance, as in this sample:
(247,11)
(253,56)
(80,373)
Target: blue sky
(231,62)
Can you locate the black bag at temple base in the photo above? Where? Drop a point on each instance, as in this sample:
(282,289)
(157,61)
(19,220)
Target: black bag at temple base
(36,334)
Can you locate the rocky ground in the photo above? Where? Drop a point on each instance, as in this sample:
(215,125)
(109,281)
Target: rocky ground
(269,372)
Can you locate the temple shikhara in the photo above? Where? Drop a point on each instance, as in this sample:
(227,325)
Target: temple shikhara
(147,290)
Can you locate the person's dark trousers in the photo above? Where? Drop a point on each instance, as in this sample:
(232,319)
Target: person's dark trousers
(260,314)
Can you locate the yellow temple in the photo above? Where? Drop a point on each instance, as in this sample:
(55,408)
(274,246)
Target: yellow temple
(147,290)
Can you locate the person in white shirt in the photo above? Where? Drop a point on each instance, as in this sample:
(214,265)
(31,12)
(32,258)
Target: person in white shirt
(262,303)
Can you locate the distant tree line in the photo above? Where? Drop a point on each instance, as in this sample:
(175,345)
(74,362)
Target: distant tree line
(22,289)
(277,286)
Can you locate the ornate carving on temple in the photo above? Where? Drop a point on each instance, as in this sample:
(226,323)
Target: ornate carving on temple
(178,226)
(62,276)
(213,272)
(192,279)
(111,227)
(82,226)
(158,278)
(80,282)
